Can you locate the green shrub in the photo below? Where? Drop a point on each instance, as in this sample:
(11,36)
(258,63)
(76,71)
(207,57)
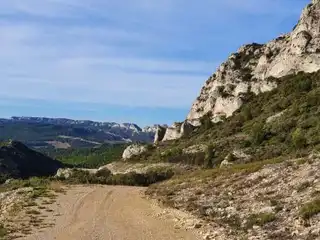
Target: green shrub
(260,219)
(105,172)
(137,179)
(3,178)
(206,122)
(258,134)
(246,113)
(310,209)
(209,156)
(298,139)
(3,232)
(129,179)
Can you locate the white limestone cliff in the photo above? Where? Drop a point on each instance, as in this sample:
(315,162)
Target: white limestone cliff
(252,66)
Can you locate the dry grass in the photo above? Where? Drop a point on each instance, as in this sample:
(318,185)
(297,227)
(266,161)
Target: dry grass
(33,212)
(57,187)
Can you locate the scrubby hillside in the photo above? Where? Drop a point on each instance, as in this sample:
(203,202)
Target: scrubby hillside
(258,174)
(282,122)
(275,199)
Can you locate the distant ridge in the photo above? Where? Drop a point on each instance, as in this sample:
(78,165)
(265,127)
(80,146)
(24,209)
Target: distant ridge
(43,132)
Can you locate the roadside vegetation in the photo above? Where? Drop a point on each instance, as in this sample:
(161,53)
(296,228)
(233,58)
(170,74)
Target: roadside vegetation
(104,176)
(25,205)
(3,232)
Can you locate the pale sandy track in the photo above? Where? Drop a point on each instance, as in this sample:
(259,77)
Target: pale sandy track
(108,213)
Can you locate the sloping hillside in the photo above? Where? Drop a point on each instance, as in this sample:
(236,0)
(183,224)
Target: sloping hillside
(18,161)
(282,122)
(274,199)
(259,169)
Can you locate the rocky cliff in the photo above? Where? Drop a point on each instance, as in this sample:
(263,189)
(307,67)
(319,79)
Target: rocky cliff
(252,69)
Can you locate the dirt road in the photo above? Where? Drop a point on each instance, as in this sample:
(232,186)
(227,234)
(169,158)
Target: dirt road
(108,213)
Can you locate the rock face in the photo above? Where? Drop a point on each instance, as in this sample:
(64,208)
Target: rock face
(253,66)
(177,130)
(160,132)
(133,150)
(18,161)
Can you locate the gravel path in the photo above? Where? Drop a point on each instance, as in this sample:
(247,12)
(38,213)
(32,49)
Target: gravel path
(108,213)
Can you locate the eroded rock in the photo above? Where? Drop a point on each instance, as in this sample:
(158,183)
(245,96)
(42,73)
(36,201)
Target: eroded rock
(133,150)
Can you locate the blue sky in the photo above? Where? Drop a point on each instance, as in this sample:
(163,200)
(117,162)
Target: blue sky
(141,61)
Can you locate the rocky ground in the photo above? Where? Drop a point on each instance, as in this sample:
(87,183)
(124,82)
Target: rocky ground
(275,199)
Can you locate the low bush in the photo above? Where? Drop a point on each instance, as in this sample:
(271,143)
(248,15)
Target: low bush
(310,209)
(260,219)
(3,232)
(128,179)
(34,182)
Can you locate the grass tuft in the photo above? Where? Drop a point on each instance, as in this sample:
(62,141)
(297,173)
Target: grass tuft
(310,209)
(260,219)
(3,232)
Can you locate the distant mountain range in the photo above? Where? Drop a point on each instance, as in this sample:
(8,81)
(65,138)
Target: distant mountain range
(39,132)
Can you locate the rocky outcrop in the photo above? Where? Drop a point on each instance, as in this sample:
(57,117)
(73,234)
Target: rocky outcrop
(195,149)
(160,132)
(173,132)
(236,156)
(177,130)
(251,69)
(133,150)
(65,173)
(275,117)
(19,161)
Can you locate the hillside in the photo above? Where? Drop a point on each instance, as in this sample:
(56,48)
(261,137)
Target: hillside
(282,122)
(19,161)
(66,133)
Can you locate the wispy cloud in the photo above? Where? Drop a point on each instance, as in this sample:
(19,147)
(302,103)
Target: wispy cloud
(133,53)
